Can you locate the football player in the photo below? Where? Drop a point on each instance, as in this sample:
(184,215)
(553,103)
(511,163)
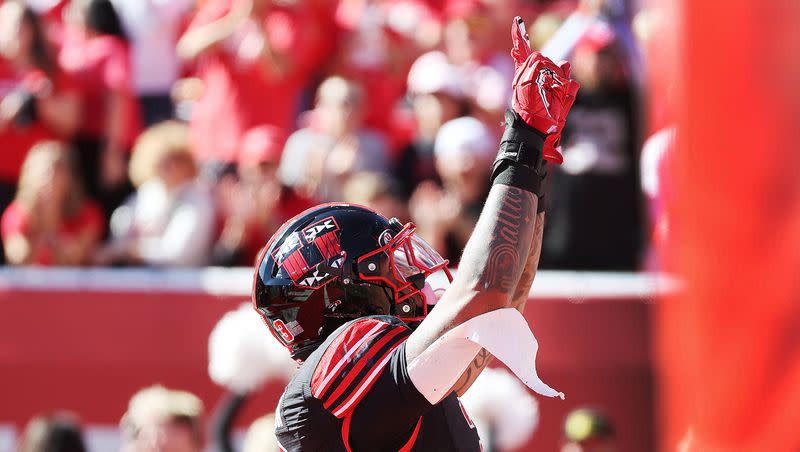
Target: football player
(351,295)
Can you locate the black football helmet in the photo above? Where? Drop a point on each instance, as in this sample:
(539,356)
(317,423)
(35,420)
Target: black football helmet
(337,262)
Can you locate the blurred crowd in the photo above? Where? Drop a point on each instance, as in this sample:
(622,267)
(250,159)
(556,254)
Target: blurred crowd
(160,419)
(184,133)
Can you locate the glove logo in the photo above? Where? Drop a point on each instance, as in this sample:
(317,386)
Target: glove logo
(545,80)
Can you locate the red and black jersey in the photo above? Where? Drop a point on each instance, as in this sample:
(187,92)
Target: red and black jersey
(353,393)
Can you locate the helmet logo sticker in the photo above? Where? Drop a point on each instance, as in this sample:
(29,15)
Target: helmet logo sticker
(385,237)
(295,328)
(328,245)
(291,244)
(310,266)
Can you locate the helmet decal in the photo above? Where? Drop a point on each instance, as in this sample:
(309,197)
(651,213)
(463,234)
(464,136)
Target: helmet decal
(294,327)
(310,266)
(385,237)
(290,245)
(328,245)
(337,263)
(290,257)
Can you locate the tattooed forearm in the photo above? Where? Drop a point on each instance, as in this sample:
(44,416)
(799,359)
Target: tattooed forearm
(504,253)
(529,272)
(521,293)
(500,245)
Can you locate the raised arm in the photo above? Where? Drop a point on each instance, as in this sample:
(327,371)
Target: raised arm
(492,274)
(490,267)
(204,37)
(518,300)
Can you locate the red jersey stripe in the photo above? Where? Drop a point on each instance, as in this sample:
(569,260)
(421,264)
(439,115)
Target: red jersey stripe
(362,362)
(413,439)
(346,433)
(340,351)
(350,404)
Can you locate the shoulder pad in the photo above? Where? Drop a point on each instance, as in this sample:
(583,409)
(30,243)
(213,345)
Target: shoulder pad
(352,362)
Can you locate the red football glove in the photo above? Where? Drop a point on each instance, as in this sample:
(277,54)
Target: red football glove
(543,91)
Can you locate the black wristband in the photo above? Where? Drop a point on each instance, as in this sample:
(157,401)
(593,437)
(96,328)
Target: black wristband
(519,161)
(510,173)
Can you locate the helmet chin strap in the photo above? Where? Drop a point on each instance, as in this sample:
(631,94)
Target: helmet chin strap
(504,333)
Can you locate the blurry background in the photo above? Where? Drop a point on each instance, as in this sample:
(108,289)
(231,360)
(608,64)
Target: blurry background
(146,145)
(182,134)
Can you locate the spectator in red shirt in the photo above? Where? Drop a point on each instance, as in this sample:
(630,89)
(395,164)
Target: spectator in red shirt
(95,50)
(37,100)
(50,221)
(153,27)
(254,58)
(50,14)
(377,56)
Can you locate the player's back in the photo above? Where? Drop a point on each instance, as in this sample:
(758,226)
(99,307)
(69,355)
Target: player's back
(354,393)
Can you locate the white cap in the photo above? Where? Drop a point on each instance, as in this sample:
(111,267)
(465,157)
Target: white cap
(463,137)
(432,73)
